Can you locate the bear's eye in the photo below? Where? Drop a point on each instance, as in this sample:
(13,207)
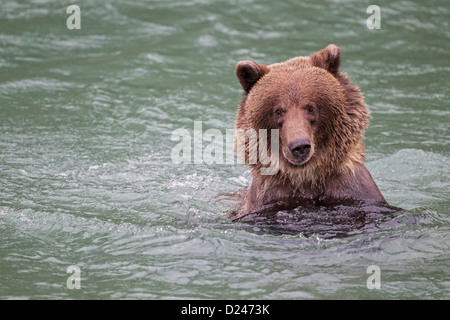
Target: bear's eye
(310,109)
(278,112)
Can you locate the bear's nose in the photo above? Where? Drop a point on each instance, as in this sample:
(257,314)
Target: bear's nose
(300,148)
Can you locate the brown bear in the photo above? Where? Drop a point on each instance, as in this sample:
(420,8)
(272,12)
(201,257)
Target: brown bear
(321,119)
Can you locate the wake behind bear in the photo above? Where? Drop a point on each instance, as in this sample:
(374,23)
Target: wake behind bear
(321,119)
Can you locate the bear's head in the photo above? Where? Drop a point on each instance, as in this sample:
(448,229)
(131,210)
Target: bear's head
(320,116)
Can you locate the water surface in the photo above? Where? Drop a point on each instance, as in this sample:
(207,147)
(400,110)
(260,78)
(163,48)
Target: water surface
(86,176)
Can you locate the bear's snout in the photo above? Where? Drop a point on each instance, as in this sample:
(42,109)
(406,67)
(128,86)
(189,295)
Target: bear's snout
(300,149)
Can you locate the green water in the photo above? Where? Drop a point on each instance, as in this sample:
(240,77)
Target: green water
(86,176)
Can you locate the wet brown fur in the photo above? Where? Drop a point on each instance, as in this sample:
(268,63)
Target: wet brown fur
(335,173)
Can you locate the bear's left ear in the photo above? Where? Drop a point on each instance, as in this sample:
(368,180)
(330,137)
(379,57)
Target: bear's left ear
(328,58)
(249,72)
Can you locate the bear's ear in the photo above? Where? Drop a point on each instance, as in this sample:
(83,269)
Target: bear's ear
(328,58)
(249,72)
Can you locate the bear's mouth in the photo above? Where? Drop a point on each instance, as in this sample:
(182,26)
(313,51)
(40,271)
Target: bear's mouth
(297,162)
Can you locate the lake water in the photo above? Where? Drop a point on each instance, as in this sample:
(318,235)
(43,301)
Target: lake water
(86,176)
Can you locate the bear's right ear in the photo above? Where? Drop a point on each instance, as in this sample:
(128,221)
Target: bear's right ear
(328,58)
(249,72)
